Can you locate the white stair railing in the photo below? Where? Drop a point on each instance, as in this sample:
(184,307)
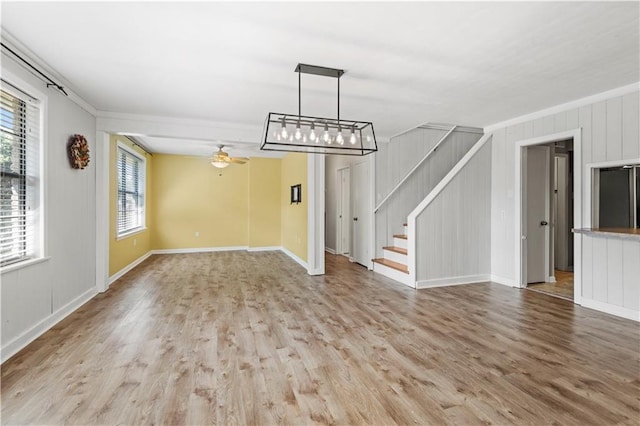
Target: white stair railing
(416,167)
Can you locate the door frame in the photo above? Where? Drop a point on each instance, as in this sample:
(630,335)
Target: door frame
(578,172)
(548,210)
(339,198)
(369,160)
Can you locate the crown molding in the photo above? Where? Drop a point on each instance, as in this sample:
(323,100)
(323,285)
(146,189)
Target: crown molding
(620,91)
(19,47)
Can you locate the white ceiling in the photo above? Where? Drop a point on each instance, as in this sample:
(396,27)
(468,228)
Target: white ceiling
(406,63)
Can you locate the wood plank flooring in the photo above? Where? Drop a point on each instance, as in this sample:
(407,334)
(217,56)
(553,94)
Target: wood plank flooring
(250,338)
(563,287)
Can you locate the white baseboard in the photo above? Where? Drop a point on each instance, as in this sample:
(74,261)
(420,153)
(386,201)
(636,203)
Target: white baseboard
(19,342)
(551,279)
(393,274)
(442,282)
(329,250)
(294,257)
(266,248)
(608,308)
(113,278)
(504,281)
(199,250)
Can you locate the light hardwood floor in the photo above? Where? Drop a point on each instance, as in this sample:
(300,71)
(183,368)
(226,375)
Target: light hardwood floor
(249,338)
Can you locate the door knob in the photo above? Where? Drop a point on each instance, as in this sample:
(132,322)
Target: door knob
(355,219)
(544,223)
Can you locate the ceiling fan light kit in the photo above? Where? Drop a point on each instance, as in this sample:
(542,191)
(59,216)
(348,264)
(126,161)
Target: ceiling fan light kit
(318,135)
(221,159)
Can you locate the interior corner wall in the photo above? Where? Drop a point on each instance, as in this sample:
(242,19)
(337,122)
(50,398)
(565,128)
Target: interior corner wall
(35,297)
(610,132)
(126,250)
(294,216)
(265,204)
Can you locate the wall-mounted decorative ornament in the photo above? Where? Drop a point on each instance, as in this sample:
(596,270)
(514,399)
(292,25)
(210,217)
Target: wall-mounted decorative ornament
(78,150)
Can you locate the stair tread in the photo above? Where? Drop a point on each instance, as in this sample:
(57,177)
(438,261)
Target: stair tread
(391,264)
(396,249)
(401,236)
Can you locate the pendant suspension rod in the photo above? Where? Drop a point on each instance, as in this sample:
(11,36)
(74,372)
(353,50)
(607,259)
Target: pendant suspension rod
(338,98)
(299,94)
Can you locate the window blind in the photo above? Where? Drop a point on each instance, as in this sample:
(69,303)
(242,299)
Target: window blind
(19,175)
(131,172)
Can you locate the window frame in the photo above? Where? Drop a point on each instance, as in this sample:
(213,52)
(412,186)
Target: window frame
(18,87)
(141,192)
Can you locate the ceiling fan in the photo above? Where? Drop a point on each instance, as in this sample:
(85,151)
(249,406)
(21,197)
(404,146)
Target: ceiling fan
(221,159)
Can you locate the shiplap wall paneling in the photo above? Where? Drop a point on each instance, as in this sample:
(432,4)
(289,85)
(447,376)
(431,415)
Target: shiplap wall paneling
(453,233)
(614,129)
(614,271)
(587,267)
(631,274)
(34,295)
(397,159)
(630,131)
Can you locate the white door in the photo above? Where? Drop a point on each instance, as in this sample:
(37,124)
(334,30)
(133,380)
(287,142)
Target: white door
(537,213)
(561,229)
(343,220)
(360,196)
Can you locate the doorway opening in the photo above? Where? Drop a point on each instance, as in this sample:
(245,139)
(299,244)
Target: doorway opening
(547,217)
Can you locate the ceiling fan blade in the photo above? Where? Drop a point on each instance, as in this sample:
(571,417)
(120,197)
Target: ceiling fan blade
(239,160)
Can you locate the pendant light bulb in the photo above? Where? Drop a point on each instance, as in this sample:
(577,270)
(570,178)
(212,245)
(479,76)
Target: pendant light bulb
(326,137)
(352,139)
(339,138)
(312,135)
(284,130)
(298,134)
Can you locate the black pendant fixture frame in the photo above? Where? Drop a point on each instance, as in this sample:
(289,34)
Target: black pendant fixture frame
(296,133)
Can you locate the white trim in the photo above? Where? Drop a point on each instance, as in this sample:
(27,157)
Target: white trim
(503,281)
(294,257)
(131,233)
(264,248)
(115,277)
(198,250)
(22,264)
(620,91)
(413,216)
(372,215)
(329,250)
(24,51)
(445,282)
(608,308)
(102,161)
(576,135)
(19,342)
(315,214)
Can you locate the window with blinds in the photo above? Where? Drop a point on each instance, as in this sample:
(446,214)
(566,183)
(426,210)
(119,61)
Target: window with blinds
(130,170)
(19,176)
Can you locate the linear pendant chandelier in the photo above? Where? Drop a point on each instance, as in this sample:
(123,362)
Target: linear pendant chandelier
(317,135)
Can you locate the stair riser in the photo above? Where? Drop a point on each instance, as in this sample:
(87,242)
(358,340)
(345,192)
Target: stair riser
(396,257)
(393,274)
(400,242)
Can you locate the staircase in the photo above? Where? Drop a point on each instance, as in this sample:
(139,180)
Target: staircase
(394,264)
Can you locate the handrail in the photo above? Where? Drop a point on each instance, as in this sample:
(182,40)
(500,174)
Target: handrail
(431,151)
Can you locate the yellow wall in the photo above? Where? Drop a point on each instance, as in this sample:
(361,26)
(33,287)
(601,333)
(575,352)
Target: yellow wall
(294,216)
(191,196)
(264,202)
(126,250)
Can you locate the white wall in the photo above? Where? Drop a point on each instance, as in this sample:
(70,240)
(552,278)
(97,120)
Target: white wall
(396,158)
(610,132)
(37,296)
(453,232)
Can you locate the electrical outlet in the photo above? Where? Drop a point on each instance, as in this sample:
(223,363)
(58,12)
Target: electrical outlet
(135,241)
(197,234)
